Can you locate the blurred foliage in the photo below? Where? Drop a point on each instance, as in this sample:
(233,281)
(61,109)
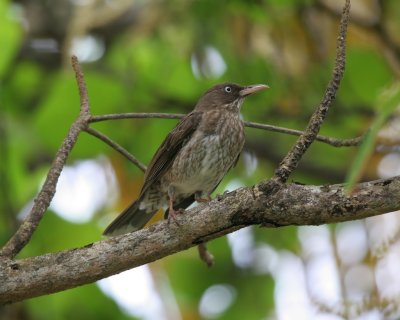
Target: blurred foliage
(388,102)
(159,56)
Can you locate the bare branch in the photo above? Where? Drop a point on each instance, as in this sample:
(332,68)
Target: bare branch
(80,80)
(328,140)
(292,204)
(43,199)
(116,147)
(290,162)
(119,116)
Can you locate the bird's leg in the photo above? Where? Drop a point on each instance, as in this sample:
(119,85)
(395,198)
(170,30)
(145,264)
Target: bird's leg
(198,197)
(171,210)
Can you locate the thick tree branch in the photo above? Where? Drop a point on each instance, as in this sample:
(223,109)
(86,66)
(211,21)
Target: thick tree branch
(290,162)
(292,204)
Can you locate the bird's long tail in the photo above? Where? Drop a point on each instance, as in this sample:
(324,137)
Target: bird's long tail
(131,219)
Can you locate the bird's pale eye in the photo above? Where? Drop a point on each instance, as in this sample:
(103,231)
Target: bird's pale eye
(228,89)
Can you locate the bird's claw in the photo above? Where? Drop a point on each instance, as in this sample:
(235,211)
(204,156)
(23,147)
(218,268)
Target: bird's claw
(220,196)
(172,215)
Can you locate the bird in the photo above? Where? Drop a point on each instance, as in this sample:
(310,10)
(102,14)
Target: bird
(193,158)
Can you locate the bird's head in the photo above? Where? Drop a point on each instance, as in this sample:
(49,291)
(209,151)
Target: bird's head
(227,95)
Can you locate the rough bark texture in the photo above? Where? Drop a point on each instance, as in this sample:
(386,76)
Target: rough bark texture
(267,204)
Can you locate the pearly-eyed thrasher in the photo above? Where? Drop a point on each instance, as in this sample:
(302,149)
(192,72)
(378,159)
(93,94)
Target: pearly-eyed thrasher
(193,159)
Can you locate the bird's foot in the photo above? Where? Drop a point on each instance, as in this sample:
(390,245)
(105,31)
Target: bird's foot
(172,215)
(207,199)
(220,196)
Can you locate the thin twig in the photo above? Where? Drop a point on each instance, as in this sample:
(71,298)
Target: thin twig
(24,233)
(43,199)
(328,140)
(117,147)
(205,255)
(80,79)
(119,116)
(291,160)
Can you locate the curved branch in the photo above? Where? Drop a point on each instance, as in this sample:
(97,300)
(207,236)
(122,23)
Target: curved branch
(291,204)
(352,142)
(42,201)
(291,160)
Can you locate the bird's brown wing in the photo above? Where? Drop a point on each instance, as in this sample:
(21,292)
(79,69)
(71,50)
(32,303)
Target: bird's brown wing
(170,147)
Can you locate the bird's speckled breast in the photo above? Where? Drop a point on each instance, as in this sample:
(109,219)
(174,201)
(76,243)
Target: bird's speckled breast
(208,155)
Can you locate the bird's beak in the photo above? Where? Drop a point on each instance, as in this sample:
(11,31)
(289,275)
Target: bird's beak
(246,91)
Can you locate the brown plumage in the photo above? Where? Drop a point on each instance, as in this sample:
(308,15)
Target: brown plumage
(193,158)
